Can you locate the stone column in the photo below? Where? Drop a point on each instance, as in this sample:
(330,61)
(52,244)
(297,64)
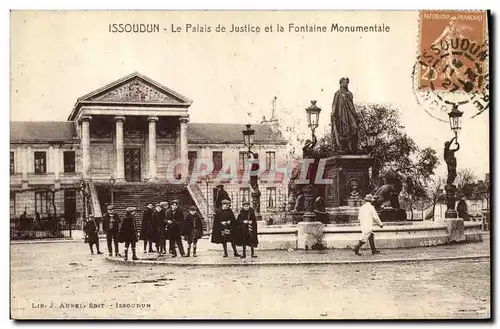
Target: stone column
(120,158)
(85,141)
(153,177)
(184,145)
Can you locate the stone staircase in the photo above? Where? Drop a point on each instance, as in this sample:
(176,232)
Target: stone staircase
(95,206)
(201,203)
(140,194)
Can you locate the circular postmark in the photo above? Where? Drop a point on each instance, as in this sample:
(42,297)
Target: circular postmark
(452,72)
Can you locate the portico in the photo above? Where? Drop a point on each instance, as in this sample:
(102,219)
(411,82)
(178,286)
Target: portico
(132,129)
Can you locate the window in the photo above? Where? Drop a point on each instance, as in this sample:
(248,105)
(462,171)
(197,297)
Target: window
(217,159)
(242,161)
(270,161)
(43,202)
(192,155)
(271,197)
(12,168)
(244,194)
(12,204)
(40,163)
(69,161)
(100,158)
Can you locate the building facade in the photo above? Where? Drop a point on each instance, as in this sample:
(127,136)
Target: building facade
(130,133)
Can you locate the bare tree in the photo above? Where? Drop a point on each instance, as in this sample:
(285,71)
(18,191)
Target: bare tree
(435,192)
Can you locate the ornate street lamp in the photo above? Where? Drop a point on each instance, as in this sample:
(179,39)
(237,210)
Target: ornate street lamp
(455,116)
(309,190)
(371,139)
(112,182)
(313,112)
(84,197)
(248,137)
(248,140)
(207,181)
(455,119)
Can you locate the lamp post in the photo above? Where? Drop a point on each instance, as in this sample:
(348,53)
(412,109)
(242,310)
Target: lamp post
(84,199)
(112,182)
(248,140)
(309,189)
(207,180)
(455,116)
(371,141)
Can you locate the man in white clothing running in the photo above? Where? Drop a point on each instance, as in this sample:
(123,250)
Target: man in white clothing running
(367,215)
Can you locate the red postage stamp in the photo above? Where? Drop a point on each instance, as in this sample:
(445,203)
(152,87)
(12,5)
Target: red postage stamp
(453,50)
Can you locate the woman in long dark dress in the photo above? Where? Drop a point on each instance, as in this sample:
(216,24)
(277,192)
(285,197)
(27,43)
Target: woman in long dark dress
(128,232)
(247,224)
(91,237)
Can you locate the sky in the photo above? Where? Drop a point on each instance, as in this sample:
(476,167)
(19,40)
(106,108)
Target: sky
(57,57)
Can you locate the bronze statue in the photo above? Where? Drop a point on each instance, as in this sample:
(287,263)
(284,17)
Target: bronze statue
(344,120)
(387,195)
(451,161)
(308,152)
(308,149)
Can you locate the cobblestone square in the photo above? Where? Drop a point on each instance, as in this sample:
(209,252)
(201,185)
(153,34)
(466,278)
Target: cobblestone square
(62,280)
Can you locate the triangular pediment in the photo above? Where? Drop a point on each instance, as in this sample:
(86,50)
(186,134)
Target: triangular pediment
(135,88)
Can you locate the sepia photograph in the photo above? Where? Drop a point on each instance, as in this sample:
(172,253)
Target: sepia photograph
(256,165)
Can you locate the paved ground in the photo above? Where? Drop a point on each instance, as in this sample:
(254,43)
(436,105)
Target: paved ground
(47,278)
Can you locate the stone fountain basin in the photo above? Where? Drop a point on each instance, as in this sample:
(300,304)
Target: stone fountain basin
(391,236)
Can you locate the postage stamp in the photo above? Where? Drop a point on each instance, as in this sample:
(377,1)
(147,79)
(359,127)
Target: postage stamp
(452,62)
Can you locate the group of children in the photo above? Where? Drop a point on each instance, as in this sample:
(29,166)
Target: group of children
(166,221)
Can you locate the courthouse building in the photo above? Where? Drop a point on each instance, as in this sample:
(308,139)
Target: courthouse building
(116,146)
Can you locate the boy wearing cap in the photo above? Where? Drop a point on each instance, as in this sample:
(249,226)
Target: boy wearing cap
(111,225)
(91,237)
(247,224)
(158,228)
(193,230)
(128,232)
(367,215)
(225,227)
(175,221)
(147,228)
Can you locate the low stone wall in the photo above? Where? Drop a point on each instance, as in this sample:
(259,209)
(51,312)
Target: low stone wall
(394,235)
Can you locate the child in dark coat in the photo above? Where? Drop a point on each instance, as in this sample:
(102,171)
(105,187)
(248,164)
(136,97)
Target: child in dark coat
(193,230)
(91,237)
(128,232)
(247,224)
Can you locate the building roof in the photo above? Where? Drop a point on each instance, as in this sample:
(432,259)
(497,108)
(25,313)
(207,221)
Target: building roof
(198,133)
(230,133)
(42,131)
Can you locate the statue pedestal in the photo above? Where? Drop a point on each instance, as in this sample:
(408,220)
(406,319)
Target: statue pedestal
(392,215)
(450,201)
(310,235)
(349,173)
(456,229)
(354,202)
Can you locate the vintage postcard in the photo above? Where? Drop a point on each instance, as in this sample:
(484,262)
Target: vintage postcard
(250,165)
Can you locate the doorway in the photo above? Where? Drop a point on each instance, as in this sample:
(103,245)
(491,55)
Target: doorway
(133,164)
